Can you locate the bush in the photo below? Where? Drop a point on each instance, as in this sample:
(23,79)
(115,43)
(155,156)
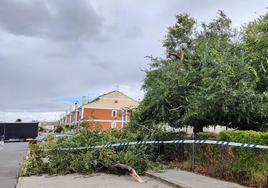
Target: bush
(34,164)
(245,165)
(59,129)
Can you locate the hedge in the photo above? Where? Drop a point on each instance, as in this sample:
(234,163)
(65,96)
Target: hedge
(245,165)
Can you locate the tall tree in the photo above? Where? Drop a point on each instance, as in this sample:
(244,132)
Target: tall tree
(256,45)
(18,120)
(219,82)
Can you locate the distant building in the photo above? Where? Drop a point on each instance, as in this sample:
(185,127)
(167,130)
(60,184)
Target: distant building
(48,126)
(110,110)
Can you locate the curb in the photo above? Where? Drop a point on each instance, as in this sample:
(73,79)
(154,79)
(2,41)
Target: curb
(165,180)
(18,183)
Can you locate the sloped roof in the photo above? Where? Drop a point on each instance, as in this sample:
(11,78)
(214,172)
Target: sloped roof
(114,99)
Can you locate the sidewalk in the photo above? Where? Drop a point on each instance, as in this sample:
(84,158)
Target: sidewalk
(99,180)
(167,179)
(183,179)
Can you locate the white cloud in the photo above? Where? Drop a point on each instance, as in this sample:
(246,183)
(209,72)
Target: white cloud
(57,20)
(29,116)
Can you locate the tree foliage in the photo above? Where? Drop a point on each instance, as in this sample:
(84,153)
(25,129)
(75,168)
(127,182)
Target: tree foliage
(18,120)
(222,80)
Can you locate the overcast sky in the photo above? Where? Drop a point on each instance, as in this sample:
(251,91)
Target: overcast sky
(54,51)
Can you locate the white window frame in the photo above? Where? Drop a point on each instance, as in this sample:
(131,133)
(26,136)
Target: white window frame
(113,125)
(114,112)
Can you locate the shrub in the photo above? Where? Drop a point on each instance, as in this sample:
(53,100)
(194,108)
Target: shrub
(34,164)
(58,129)
(245,165)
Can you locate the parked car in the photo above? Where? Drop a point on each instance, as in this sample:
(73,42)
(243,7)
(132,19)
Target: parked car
(39,139)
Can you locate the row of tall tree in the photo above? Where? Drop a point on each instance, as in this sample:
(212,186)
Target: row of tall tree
(222,80)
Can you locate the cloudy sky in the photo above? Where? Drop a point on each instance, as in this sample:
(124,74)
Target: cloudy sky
(52,52)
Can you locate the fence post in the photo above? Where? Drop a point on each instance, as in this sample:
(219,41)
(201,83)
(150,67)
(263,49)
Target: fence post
(193,157)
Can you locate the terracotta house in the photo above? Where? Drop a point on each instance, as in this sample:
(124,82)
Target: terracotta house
(110,110)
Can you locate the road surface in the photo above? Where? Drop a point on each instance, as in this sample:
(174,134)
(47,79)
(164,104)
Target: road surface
(11,157)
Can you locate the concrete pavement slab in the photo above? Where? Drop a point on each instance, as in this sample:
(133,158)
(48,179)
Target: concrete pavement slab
(79,181)
(184,179)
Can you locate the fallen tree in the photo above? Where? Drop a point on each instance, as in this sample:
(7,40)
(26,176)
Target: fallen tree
(243,165)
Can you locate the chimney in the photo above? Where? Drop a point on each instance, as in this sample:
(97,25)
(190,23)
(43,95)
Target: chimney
(84,100)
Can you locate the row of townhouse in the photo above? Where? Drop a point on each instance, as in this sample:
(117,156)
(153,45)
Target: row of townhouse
(110,110)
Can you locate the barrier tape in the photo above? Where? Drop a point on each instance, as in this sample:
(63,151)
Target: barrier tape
(144,142)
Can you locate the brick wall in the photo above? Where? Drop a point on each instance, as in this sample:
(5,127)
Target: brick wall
(102,118)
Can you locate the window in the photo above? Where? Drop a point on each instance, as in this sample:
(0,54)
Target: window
(113,125)
(114,113)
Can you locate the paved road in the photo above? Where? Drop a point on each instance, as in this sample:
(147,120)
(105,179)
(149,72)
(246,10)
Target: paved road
(79,181)
(10,158)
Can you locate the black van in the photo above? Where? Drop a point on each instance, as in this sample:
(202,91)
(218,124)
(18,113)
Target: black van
(19,130)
